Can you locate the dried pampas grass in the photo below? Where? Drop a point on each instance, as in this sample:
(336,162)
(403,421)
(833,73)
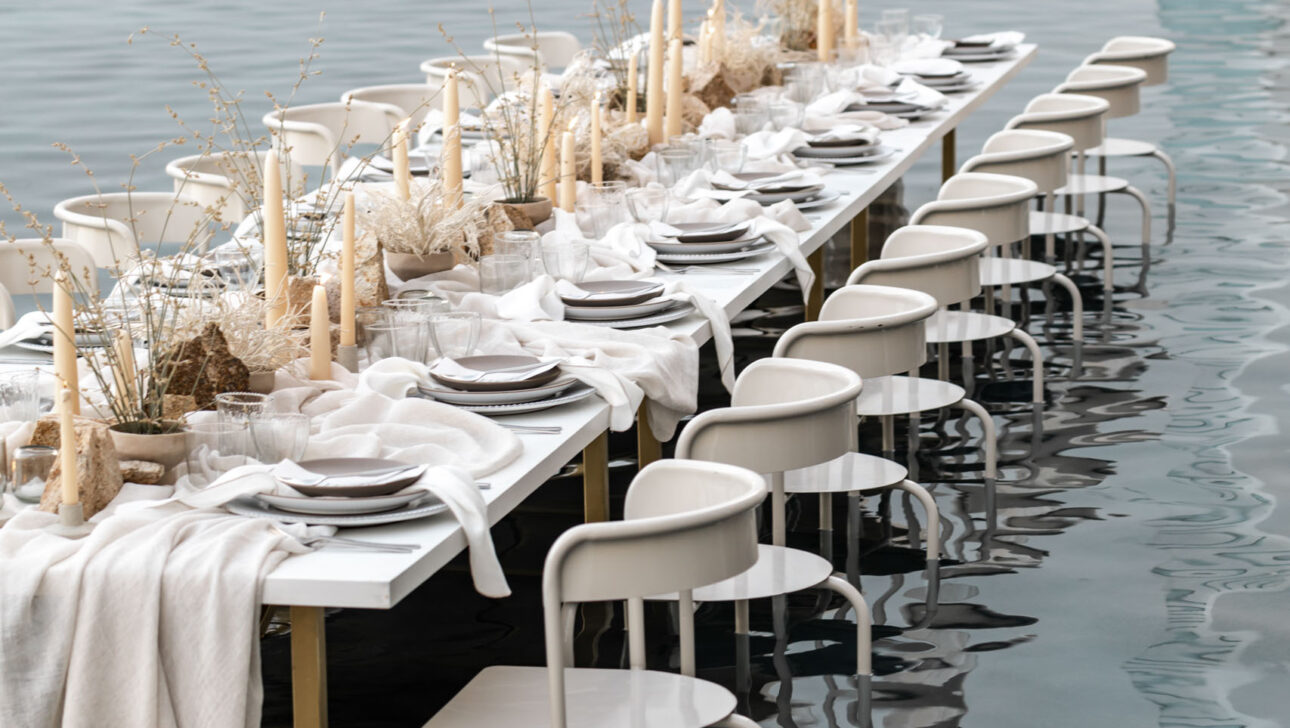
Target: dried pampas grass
(425,224)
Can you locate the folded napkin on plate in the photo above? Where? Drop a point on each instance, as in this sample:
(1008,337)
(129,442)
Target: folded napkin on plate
(834,103)
(570,290)
(862,133)
(916,93)
(450,368)
(869,77)
(29,326)
(1001,39)
(877,119)
(937,66)
(794,178)
(924,47)
(719,124)
(664,231)
(771,144)
(289,471)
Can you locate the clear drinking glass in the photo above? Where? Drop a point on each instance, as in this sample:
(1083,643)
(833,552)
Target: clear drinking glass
(499,273)
(597,217)
(898,16)
(517,242)
(31,466)
(726,155)
(19,396)
(454,334)
(239,407)
(750,118)
(416,311)
(566,261)
(928,25)
(280,436)
(647,204)
(786,114)
(679,161)
(214,448)
(406,340)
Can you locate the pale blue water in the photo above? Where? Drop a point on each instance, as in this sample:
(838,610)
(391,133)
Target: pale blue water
(1139,574)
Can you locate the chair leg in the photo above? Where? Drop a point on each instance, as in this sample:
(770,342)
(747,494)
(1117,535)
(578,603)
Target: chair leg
(1036,365)
(1173,175)
(1136,194)
(1077,305)
(864,647)
(991,463)
(933,517)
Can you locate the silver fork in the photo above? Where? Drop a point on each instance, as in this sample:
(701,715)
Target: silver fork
(395,548)
(534,429)
(706,269)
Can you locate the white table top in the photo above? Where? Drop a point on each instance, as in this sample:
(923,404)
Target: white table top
(333,577)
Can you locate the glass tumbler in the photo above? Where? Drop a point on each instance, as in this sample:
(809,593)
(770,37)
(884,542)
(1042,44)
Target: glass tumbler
(388,339)
(214,448)
(20,396)
(566,261)
(239,407)
(30,469)
(928,25)
(280,436)
(647,204)
(500,273)
(455,333)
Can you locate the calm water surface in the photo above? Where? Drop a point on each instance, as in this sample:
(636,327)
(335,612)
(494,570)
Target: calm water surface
(1138,575)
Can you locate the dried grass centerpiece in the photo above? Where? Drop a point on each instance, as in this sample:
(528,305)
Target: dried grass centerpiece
(424,234)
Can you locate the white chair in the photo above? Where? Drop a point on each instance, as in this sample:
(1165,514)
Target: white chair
(114,226)
(7,315)
(879,332)
(785,415)
(686,524)
(944,262)
(321,135)
(18,275)
(1149,54)
(413,100)
(550,48)
(229,183)
(486,76)
(1118,85)
(1082,118)
(1042,158)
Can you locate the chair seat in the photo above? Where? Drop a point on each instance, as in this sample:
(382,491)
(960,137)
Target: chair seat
(952,326)
(1091,184)
(905,395)
(1056,223)
(848,474)
(596,698)
(1001,271)
(1115,147)
(779,570)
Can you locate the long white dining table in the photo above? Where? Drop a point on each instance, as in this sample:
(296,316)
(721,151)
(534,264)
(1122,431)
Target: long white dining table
(333,577)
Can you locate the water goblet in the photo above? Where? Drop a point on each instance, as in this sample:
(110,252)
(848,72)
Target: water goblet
(389,339)
(239,407)
(214,448)
(280,436)
(500,273)
(455,333)
(786,114)
(647,204)
(928,25)
(726,156)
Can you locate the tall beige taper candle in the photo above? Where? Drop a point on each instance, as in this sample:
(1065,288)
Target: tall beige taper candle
(654,88)
(824,31)
(451,141)
(65,340)
(633,78)
(348,297)
(597,165)
(568,174)
(851,32)
(319,336)
(546,128)
(402,171)
(124,373)
(275,243)
(67,448)
(675,88)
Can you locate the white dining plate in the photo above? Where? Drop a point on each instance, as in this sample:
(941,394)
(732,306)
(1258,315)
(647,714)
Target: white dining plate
(981,56)
(850,160)
(354,477)
(447,395)
(701,258)
(680,310)
(333,505)
(770,198)
(615,293)
(249,506)
(575,394)
(672,247)
(614,313)
(856,150)
(825,198)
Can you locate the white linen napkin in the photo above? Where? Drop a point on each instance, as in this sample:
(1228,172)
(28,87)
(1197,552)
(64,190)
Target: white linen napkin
(718,124)
(771,144)
(861,133)
(885,122)
(916,93)
(451,368)
(834,103)
(289,471)
(28,326)
(930,66)
(916,47)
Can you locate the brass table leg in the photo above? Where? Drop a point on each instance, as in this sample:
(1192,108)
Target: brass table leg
(947,156)
(648,448)
(815,297)
(595,480)
(860,239)
(308,667)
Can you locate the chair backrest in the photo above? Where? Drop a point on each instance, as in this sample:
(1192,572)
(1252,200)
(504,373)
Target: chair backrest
(1082,118)
(1149,54)
(785,414)
(484,75)
(18,276)
(229,183)
(943,262)
(1039,156)
(686,524)
(113,226)
(1117,85)
(550,48)
(994,204)
(875,331)
(7,315)
(413,100)
(320,135)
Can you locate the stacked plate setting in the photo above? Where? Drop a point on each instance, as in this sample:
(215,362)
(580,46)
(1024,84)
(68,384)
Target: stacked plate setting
(343,492)
(622,304)
(942,74)
(969,50)
(844,150)
(502,384)
(768,188)
(700,243)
